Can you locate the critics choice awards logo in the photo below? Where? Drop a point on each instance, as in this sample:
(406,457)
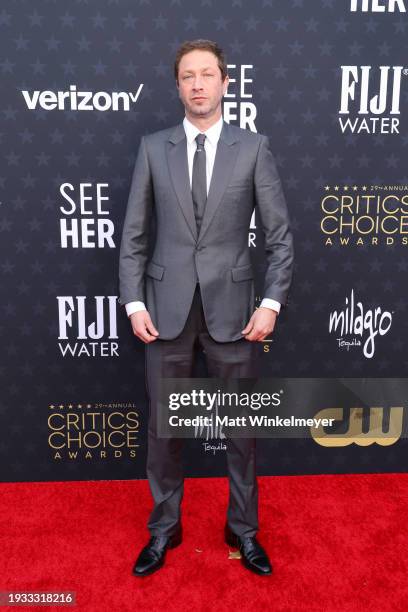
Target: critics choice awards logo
(369,215)
(93,431)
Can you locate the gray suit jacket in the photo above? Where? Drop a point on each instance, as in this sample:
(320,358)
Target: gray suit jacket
(244,175)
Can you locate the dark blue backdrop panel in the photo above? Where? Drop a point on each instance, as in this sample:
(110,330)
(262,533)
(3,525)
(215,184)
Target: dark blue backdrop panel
(80,84)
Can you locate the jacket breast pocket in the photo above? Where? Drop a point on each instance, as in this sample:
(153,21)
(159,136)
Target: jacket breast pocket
(154,270)
(241,273)
(240,185)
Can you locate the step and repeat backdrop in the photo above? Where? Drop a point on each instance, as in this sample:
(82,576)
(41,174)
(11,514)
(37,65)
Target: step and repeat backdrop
(81,82)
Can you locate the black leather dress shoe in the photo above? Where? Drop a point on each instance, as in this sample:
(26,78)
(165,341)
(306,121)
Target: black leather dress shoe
(253,556)
(152,556)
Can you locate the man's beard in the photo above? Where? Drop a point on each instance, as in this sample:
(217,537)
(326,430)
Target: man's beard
(200,110)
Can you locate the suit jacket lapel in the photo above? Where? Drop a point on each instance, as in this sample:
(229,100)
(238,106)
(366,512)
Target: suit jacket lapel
(225,158)
(178,167)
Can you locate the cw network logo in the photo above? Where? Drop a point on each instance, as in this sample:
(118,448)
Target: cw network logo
(81,100)
(353,423)
(377,6)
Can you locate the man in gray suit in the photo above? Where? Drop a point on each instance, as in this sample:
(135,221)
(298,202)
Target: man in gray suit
(200,180)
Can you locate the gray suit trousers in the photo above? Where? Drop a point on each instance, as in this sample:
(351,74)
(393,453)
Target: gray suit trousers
(174,359)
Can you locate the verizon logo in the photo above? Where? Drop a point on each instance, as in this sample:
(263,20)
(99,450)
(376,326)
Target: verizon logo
(80,100)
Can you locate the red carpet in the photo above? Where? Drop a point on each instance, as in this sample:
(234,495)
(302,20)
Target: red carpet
(337,543)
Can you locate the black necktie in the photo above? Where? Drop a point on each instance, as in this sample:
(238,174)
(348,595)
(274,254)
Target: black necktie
(199,181)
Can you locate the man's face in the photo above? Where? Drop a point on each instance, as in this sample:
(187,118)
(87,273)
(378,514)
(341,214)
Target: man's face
(200,86)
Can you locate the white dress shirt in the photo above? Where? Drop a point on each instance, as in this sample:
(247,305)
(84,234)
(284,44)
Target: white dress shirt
(210,146)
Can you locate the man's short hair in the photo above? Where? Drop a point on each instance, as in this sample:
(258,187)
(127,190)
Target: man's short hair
(203,45)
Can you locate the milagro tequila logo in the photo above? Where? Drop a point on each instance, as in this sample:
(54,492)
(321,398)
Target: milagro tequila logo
(378,6)
(371,98)
(356,326)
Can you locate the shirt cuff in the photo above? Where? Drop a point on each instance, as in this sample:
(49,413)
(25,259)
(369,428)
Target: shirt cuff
(272,304)
(132,307)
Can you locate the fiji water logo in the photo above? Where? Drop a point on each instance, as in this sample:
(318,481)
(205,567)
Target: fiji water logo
(357,326)
(370,99)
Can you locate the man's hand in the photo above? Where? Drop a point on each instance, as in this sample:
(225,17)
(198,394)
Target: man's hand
(143,327)
(260,325)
